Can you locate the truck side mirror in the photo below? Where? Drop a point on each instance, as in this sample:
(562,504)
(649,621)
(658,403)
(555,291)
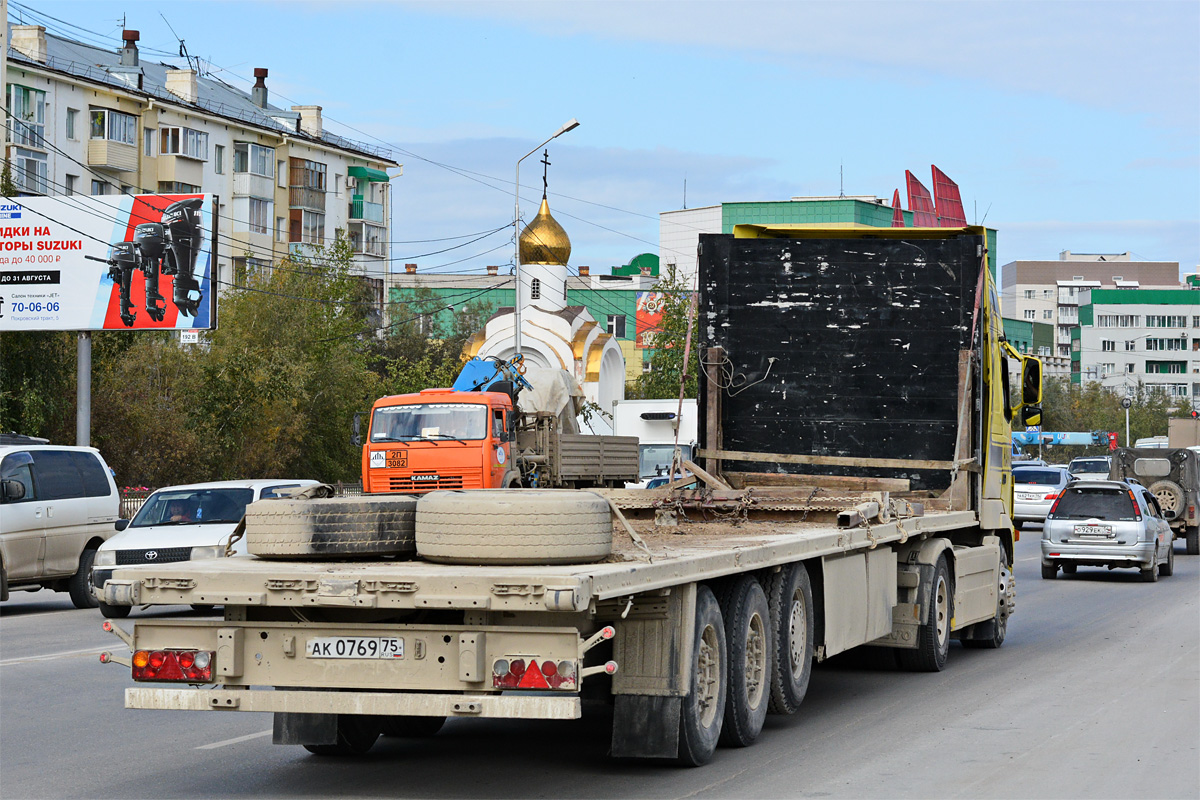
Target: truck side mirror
(1031,381)
(11,491)
(1031,415)
(356,426)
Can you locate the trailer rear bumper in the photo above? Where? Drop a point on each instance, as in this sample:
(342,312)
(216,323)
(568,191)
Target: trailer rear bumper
(492,706)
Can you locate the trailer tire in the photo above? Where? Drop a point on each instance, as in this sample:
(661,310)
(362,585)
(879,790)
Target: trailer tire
(411,727)
(513,526)
(1193,540)
(789,596)
(1170,498)
(340,527)
(933,635)
(703,708)
(751,651)
(356,734)
(80,584)
(114,612)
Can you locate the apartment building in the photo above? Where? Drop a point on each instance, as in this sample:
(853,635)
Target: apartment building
(86,120)
(1151,336)
(1049,291)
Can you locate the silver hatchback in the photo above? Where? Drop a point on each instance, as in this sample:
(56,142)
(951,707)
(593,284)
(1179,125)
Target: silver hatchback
(1034,491)
(1112,524)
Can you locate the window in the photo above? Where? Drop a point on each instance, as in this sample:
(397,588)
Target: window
(28,121)
(1108,346)
(72,117)
(219,159)
(177,187)
(1131,344)
(337,185)
(281,174)
(308,174)
(1196,322)
(114,126)
(1129,321)
(1106,320)
(616,325)
(178,141)
(148,142)
(1166,367)
(312,226)
(1129,367)
(253,158)
(1107,369)
(260,215)
(1166,344)
(646,369)
(1029,294)
(99,187)
(1162,321)
(30,171)
(1048,314)
(72,180)
(1030,314)
(535,289)
(280,229)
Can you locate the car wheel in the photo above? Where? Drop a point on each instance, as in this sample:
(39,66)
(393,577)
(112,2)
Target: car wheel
(1193,540)
(1150,573)
(1167,568)
(1069,569)
(1049,571)
(80,586)
(114,612)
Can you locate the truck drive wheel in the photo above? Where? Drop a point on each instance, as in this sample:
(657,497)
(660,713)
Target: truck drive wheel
(356,734)
(704,706)
(80,586)
(345,527)
(1193,540)
(513,526)
(751,651)
(789,596)
(933,635)
(989,635)
(1170,498)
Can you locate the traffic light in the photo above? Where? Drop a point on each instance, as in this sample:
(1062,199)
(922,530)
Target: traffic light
(1195,413)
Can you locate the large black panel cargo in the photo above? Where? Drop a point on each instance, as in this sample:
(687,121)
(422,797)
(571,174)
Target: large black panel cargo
(840,347)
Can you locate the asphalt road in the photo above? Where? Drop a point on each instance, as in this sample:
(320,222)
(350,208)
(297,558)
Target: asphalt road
(1095,694)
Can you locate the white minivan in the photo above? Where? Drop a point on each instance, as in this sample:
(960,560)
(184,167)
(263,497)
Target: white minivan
(58,504)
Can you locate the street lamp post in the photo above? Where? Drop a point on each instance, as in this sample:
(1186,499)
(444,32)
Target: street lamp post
(569,125)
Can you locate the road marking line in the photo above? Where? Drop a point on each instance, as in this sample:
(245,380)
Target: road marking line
(1031,558)
(245,738)
(67,654)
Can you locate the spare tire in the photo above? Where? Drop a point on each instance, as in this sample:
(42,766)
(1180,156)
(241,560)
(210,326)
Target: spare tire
(514,526)
(335,527)
(1170,498)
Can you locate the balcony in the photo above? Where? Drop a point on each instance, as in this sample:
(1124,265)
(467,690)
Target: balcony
(360,209)
(304,197)
(107,154)
(247,184)
(367,239)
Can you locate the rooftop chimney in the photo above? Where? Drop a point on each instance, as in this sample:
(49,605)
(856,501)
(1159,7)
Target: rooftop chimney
(259,93)
(310,119)
(29,41)
(182,84)
(585,272)
(493,269)
(411,269)
(129,53)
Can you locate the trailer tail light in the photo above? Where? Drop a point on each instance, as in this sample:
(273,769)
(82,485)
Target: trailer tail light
(190,666)
(534,674)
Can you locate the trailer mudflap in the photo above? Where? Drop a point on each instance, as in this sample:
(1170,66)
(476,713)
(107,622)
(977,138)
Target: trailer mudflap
(303,701)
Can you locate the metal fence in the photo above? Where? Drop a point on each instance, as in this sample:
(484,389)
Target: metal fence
(132,497)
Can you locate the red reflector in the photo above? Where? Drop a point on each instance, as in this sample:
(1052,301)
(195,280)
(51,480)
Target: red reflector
(518,667)
(533,678)
(157,659)
(549,668)
(186,660)
(167,665)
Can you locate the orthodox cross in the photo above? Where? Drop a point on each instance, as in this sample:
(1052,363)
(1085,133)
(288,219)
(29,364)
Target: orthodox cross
(546,162)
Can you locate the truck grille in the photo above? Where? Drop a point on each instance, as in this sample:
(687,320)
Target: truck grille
(406,484)
(162,555)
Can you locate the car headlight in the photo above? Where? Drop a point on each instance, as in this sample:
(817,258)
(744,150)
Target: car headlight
(212,551)
(105,558)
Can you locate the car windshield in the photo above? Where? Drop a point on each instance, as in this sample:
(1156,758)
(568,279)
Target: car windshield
(193,507)
(429,421)
(1037,477)
(1099,502)
(1089,466)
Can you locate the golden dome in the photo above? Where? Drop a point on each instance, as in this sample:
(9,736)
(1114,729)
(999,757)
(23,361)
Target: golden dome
(544,241)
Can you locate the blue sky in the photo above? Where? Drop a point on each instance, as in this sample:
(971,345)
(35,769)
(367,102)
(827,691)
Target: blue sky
(1072,125)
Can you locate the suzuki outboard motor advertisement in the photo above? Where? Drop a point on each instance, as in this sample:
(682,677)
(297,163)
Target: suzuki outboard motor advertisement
(120,262)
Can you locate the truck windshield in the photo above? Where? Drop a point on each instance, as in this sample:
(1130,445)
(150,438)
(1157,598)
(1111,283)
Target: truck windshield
(429,421)
(655,459)
(193,507)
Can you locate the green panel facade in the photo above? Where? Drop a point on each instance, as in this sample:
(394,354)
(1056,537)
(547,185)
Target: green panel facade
(1043,336)
(1019,334)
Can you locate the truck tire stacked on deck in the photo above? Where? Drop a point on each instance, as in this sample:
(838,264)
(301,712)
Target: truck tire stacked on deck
(334,527)
(513,526)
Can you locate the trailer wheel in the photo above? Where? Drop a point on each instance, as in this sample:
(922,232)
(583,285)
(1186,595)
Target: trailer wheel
(80,584)
(751,651)
(513,526)
(356,734)
(1193,540)
(374,525)
(1170,498)
(411,727)
(933,635)
(704,706)
(789,596)
(114,612)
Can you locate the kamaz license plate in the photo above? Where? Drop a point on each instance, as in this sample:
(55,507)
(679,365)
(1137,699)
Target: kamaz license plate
(1093,530)
(355,647)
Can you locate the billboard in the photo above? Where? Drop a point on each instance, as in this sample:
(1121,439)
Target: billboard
(119,262)
(649,317)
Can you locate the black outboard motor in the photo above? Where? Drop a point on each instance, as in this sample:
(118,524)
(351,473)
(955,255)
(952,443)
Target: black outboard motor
(181,222)
(122,261)
(150,241)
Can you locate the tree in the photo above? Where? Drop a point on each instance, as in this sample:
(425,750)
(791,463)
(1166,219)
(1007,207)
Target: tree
(666,359)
